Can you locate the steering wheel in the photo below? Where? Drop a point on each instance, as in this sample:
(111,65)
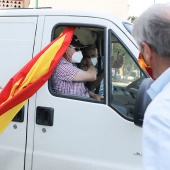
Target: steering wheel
(134,86)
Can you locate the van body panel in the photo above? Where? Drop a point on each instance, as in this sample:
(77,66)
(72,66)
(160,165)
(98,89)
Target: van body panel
(16,50)
(21,44)
(84,135)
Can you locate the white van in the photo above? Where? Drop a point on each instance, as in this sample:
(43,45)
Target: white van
(64,132)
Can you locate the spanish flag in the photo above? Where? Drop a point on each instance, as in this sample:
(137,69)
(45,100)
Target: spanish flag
(31,77)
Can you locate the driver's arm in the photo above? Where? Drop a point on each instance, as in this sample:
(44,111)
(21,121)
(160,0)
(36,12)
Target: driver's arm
(89,75)
(96,83)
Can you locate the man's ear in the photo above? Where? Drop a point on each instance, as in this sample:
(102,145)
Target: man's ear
(147,53)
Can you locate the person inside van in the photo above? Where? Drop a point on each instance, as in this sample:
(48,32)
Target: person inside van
(67,78)
(91,52)
(98,84)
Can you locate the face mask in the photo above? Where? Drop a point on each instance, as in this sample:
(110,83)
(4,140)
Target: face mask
(77,57)
(94,60)
(144,66)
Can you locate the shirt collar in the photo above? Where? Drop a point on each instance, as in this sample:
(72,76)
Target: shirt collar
(159,84)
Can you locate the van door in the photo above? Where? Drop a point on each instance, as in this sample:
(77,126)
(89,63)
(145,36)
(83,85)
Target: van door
(16,48)
(86,134)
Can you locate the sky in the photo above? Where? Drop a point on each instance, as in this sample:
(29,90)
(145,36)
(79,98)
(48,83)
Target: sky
(136,7)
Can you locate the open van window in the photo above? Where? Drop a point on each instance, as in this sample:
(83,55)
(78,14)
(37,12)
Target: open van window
(92,39)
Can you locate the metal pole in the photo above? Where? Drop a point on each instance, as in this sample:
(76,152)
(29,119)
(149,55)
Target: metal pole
(36,5)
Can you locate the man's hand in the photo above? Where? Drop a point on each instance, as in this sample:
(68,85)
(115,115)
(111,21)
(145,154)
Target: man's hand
(89,75)
(96,96)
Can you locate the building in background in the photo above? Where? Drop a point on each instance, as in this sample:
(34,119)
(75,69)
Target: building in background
(116,7)
(4,4)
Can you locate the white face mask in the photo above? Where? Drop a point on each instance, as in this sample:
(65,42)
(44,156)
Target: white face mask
(94,60)
(77,57)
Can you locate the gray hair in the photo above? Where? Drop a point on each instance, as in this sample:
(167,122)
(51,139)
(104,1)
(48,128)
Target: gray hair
(153,27)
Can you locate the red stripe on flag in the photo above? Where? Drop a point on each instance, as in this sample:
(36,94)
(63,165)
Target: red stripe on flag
(31,88)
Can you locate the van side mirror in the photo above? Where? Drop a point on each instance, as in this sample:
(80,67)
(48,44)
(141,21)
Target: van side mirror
(142,101)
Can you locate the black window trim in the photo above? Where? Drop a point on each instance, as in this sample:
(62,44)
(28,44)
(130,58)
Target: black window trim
(72,96)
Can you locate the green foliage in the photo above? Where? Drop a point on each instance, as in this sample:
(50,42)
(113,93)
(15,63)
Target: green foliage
(132,18)
(129,65)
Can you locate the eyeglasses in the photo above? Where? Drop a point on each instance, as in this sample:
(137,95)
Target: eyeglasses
(76,48)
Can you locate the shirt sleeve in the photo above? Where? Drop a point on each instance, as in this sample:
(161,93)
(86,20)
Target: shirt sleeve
(66,71)
(156,137)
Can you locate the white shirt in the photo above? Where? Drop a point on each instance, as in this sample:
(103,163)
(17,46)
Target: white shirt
(156,126)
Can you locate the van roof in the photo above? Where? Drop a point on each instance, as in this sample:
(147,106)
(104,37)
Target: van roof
(48,11)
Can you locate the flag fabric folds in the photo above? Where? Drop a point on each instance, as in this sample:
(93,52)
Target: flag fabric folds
(31,77)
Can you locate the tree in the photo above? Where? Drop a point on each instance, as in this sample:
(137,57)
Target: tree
(132,18)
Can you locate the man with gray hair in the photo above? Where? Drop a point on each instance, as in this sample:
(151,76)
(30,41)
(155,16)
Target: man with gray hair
(152,33)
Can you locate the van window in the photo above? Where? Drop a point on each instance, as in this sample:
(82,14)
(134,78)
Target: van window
(61,81)
(125,76)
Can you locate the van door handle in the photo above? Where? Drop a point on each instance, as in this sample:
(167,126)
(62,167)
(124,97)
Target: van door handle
(44,116)
(19,116)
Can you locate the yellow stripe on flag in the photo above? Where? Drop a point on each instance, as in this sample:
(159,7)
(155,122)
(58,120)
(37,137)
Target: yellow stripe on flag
(6,118)
(43,64)
(14,89)
(31,77)
(41,67)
